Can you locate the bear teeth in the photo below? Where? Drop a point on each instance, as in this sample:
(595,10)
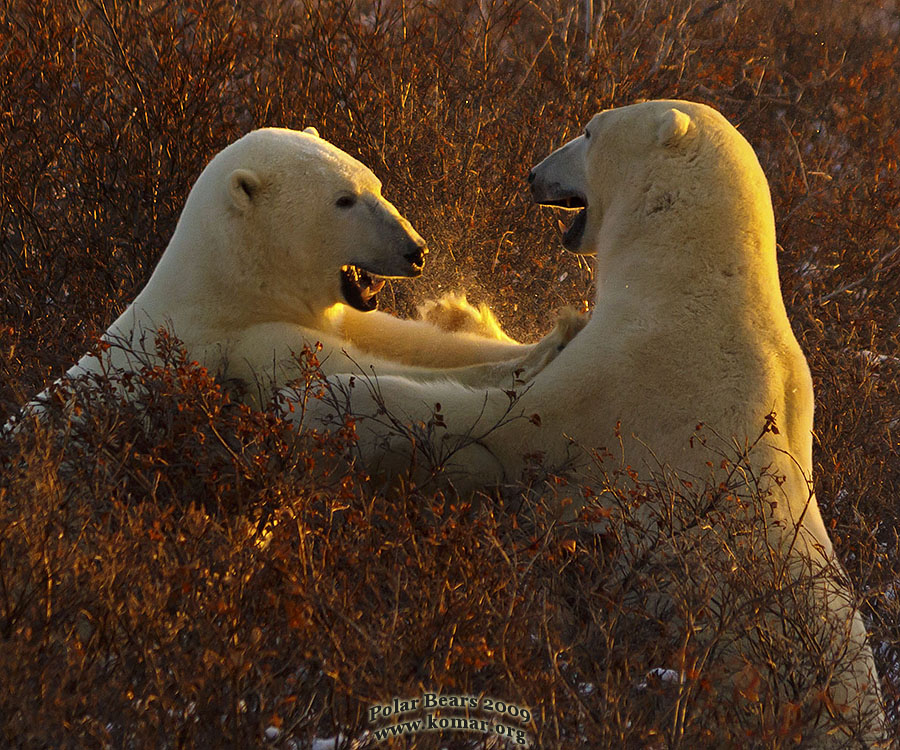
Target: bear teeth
(567,201)
(572,202)
(360,287)
(358,276)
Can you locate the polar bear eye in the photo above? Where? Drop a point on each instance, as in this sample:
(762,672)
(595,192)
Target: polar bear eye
(345,201)
(587,134)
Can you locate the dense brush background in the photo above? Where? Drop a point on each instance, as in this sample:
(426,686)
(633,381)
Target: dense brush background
(176,577)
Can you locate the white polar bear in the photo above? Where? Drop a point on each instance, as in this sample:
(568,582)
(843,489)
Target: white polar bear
(688,327)
(284,241)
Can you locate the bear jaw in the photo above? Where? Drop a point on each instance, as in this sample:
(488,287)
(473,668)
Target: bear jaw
(360,288)
(573,235)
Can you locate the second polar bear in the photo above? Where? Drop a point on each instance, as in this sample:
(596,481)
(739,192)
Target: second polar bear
(284,241)
(688,327)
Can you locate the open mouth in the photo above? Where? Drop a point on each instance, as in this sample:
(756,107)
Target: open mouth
(360,288)
(574,234)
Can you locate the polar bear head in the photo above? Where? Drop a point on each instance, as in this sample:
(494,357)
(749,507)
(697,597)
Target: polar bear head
(652,161)
(295,225)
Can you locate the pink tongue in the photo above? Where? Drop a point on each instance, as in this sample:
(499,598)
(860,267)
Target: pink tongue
(372,290)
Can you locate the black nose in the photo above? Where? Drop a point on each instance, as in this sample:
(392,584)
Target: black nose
(531,177)
(415,255)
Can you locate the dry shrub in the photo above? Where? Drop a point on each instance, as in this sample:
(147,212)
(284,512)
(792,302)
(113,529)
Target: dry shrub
(179,571)
(145,605)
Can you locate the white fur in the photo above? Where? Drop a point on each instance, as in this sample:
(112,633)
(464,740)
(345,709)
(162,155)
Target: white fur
(252,275)
(688,327)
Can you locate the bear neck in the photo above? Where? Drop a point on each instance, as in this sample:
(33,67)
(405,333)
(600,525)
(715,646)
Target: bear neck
(704,290)
(667,244)
(218,289)
(201,277)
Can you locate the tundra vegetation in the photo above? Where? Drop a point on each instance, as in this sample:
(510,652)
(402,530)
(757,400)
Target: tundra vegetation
(178,570)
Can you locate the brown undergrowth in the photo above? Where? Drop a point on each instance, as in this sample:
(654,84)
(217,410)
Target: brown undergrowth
(178,571)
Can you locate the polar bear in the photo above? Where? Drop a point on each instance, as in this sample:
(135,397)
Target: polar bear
(285,241)
(688,327)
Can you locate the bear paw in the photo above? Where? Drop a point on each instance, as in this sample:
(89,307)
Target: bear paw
(455,314)
(569,323)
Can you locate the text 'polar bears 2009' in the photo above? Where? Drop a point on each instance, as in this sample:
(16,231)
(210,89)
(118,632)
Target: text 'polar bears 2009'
(436,719)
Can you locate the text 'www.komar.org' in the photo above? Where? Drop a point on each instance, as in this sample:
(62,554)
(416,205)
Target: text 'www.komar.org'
(437,719)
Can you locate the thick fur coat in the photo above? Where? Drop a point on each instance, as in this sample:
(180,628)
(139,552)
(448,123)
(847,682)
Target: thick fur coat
(284,241)
(688,328)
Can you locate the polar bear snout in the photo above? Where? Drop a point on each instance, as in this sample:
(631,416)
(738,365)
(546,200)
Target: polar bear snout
(561,195)
(362,280)
(561,175)
(560,181)
(415,255)
(407,248)
(557,195)
(550,189)
(402,257)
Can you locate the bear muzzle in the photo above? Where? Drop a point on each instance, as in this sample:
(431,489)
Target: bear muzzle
(360,283)
(555,194)
(415,255)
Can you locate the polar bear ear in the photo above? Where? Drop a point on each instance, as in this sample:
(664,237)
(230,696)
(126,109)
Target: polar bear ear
(312,131)
(243,187)
(673,126)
